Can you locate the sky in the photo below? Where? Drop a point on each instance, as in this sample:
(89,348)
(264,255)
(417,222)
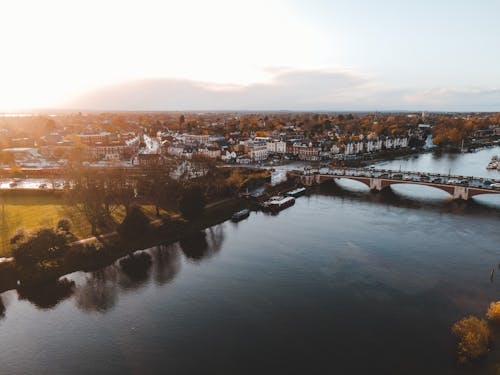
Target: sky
(250,55)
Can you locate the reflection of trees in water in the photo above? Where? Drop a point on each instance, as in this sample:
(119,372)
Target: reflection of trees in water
(194,245)
(99,291)
(48,294)
(136,268)
(2,308)
(203,244)
(166,263)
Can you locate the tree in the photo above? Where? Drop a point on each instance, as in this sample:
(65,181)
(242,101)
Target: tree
(159,188)
(64,225)
(135,224)
(43,244)
(192,202)
(88,195)
(474,337)
(119,191)
(493,312)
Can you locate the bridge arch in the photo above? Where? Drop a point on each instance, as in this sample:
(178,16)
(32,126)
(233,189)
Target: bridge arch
(473,192)
(356,184)
(446,188)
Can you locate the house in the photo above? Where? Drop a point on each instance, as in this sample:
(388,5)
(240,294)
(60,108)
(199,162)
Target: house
(306,151)
(150,160)
(276,147)
(257,150)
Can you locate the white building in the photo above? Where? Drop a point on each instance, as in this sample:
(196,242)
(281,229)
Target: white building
(335,149)
(256,149)
(209,152)
(195,138)
(349,149)
(276,147)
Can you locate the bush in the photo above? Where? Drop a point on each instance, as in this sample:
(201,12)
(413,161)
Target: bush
(493,312)
(64,225)
(135,224)
(20,235)
(192,202)
(474,337)
(43,244)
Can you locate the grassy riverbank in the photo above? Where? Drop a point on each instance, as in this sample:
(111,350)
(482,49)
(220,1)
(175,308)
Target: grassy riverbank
(32,210)
(97,254)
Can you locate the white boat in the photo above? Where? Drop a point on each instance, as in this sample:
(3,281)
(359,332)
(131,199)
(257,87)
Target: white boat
(278,203)
(494,163)
(296,192)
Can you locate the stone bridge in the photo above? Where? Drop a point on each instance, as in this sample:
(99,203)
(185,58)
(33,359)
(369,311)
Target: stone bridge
(449,184)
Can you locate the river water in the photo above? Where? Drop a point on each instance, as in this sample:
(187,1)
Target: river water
(344,282)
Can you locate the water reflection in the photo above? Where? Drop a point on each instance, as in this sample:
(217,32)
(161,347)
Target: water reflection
(2,308)
(166,263)
(136,266)
(98,291)
(202,244)
(49,294)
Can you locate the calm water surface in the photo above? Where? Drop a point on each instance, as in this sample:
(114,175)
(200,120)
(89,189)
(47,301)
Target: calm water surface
(343,282)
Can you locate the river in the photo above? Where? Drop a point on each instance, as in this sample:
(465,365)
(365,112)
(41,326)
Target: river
(345,282)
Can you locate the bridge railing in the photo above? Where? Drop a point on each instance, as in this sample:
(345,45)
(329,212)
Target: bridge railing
(447,179)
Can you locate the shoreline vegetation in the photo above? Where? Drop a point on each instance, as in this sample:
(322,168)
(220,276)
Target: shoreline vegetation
(121,225)
(97,252)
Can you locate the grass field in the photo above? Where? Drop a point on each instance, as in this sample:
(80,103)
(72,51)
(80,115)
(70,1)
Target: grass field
(34,211)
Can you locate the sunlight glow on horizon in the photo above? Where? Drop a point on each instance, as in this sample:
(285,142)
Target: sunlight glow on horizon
(59,50)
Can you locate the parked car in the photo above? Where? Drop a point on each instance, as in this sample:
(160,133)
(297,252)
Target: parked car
(437,180)
(397,176)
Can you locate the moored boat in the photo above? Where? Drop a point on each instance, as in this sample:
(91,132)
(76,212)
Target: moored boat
(278,203)
(494,163)
(296,192)
(240,215)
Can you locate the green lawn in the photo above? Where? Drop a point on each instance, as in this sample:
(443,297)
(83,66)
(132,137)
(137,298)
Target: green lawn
(32,212)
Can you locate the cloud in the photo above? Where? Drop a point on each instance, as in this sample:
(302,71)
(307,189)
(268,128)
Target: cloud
(287,90)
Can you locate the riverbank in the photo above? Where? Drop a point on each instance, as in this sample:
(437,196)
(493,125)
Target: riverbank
(97,252)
